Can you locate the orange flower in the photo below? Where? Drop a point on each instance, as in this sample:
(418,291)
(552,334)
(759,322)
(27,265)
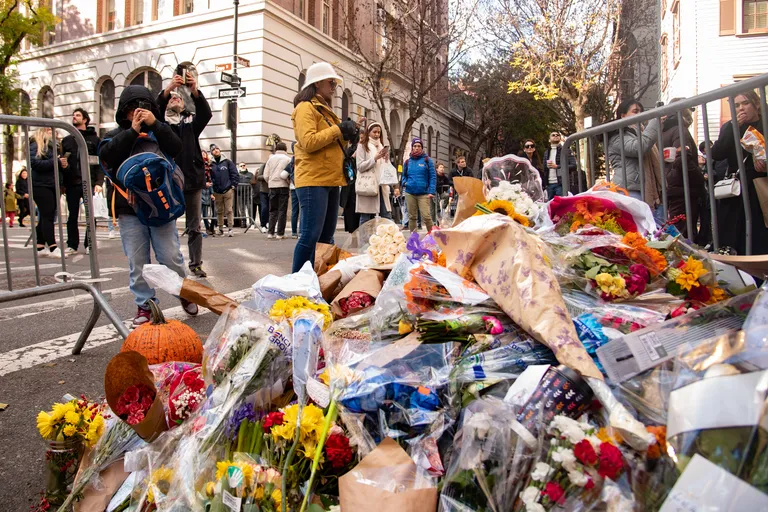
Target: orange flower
(660,433)
(610,435)
(611,187)
(717,294)
(642,253)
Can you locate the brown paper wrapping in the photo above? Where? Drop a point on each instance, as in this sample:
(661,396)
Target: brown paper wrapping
(388,461)
(326,256)
(205,297)
(761,187)
(329,284)
(128,369)
(509,264)
(368,281)
(470,191)
(111,479)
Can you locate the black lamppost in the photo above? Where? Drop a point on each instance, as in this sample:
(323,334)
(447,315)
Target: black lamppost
(233,101)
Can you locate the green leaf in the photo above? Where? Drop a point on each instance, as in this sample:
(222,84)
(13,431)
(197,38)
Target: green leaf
(661,245)
(592,273)
(314,507)
(591,260)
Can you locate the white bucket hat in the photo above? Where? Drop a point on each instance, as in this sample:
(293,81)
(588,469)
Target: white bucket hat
(320,71)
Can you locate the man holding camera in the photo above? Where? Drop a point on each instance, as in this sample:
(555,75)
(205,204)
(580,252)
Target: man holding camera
(188,126)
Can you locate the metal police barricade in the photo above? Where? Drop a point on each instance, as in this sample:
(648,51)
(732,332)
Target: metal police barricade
(92,286)
(601,134)
(242,208)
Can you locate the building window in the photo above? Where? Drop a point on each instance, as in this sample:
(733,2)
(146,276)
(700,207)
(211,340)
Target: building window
(755,16)
(437,146)
(302,79)
(149,79)
(663,8)
(183,7)
(106,15)
(303,9)
(676,33)
(664,62)
(106,115)
(134,12)
(421,132)
(430,132)
(45,101)
(345,101)
(326,16)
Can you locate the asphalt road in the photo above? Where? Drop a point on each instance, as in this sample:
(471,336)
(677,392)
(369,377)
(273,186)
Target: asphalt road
(36,336)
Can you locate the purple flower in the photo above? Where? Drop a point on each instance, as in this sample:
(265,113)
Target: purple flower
(417,249)
(243,413)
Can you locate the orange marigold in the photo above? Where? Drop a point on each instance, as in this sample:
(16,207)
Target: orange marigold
(641,251)
(660,433)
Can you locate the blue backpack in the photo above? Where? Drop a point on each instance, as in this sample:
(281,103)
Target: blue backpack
(154,183)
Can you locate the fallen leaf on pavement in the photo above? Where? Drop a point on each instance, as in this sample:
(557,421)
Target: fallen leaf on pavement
(3,406)
(49,365)
(61,382)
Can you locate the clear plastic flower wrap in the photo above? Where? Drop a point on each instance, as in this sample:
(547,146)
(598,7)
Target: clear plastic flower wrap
(271,288)
(514,169)
(402,391)
(490,461)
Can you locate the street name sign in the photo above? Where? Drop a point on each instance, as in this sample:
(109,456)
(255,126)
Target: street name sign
(234,92)
(229,78)
(226,66)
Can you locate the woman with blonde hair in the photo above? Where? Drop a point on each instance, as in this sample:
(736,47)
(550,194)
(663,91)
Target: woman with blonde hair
(370,156)
(44,190)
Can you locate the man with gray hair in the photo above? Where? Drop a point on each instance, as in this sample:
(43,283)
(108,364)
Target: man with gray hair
(188,126)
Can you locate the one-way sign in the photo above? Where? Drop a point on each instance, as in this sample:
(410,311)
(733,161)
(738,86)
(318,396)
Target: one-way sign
(229,78)
(234,92)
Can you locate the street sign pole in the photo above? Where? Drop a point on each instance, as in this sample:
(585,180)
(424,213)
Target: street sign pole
(233,101)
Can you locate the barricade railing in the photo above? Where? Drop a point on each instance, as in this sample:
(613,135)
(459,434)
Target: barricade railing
(601,134)
(92,285)
(242,206)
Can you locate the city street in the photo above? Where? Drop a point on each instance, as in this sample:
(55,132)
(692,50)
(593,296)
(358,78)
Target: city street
(36,337)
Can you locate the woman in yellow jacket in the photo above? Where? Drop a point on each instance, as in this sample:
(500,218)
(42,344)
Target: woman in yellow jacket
(319,157)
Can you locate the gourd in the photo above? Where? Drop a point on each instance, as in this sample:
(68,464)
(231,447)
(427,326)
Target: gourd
(161,341)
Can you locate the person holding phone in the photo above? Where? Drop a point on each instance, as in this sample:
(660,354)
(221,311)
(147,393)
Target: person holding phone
(69,162)
(371,154)
(188,121)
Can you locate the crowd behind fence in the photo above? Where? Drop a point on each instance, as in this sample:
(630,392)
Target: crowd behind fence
(594,136)
(92,285)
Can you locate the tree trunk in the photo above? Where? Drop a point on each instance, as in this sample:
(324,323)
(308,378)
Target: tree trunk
(9,151)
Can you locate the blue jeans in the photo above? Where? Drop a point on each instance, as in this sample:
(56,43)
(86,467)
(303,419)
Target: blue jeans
(264,209)
(319,212)
(658,212)
(294,213)
(137,239)
(554,189)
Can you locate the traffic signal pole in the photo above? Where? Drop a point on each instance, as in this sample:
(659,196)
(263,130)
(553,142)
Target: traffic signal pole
(233,101)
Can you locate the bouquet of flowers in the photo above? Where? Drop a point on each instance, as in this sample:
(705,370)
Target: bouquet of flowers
(78,421)
(133,404)
(514,193)
(572,467)
(285,309)
(187,393)
(386,245)
(573,213)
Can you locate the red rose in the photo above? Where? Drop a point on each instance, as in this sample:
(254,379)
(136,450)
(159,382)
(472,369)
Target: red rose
(338,450)
(554,492)
(131,394)
(611,463)
(590,484)
(272,419)
(584,451)
(699,293)
(135,408)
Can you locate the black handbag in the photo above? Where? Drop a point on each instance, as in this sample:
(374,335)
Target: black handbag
(349,163)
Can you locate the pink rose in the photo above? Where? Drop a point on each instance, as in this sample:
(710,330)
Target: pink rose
(641,271)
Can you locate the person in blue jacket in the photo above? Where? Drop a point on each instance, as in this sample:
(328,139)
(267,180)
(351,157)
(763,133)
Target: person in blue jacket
(225,179)
(419,181)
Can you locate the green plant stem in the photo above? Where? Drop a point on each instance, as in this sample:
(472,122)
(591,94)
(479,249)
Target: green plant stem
(289,458)
(329,418)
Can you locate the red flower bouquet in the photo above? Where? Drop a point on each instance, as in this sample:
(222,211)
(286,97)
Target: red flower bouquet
(133,404)
(356,301)
(572,213)
(187,393)
(338,451)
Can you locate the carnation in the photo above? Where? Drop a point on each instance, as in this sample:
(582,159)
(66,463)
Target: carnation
(578,478)
(565,457)
(530,495)
(541,472)
(338,450)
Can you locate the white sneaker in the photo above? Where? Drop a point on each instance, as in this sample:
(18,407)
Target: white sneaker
(278,237)
(55,254)
(270,237)
(70,251)
(87,250)
(112,235)
(230,233)
(264,230)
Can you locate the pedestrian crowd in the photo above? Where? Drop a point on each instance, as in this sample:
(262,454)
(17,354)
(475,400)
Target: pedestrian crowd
(333,164)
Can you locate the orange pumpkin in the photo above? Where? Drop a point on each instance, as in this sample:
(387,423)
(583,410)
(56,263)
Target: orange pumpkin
(161,341)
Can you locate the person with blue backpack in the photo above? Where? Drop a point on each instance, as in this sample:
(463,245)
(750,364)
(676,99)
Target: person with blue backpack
(147,189)
(419,182)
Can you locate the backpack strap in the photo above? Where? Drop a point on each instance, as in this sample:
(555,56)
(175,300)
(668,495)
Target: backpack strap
(332,125)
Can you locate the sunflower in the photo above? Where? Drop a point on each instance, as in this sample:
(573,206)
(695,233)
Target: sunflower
(501,206)
(160,480)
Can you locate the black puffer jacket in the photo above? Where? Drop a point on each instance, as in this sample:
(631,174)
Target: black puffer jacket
(224,175)
(117,149)
(72,175)
(190,160)
(42,166)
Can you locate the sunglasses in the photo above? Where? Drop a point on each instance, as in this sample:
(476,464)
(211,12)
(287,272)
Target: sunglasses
(554,135)
(333,83)
(530,146)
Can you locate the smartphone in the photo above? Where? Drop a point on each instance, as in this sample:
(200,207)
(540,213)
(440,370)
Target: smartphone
(66,155)
(144,104)
(181,70)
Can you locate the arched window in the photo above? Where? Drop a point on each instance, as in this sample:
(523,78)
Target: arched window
(421,131)
(430,132)
(437,146)
(150,79)
(302,79)
(45,102)
(20,107)
(395,130)
(346,98)
(106,115)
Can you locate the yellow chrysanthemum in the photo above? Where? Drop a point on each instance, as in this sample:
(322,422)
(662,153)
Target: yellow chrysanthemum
(690,273)
(72,417)
(610,435)
(258,493)
(325,378)
(404,327)
(277,497)
(60,410)
(46,425)
(718,294)
(311,423)
(308,448)
(70,430)
(312,420)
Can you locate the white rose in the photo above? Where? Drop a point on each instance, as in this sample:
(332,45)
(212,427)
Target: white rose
(387,240)
(534,507)
(399,237)
(388,258)
(381,230)
(541,472)
(392,230)
(530,495)
(402,247)
(393,249)
(566,458)
(578,478)
(375,240)
(378,259)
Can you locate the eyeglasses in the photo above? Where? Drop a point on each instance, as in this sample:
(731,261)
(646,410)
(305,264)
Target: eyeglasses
(530,146)
(333,83)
